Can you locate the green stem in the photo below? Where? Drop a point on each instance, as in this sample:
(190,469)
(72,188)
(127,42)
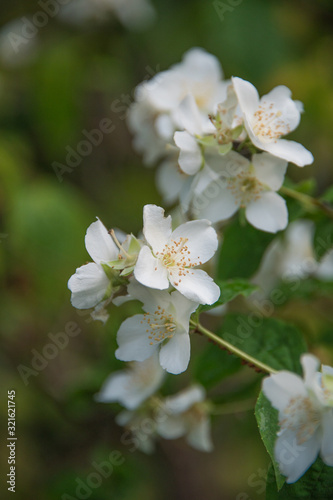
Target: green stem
(231,348)
(307,200)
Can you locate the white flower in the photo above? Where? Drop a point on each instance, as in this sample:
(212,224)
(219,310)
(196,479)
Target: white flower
(132,386)
(156,115)
(199,74)
(305,417)
(291,258)
(172,255)
(187,415)
(269,118)
(95,282)
(90,284)
(235,182)
(164,328)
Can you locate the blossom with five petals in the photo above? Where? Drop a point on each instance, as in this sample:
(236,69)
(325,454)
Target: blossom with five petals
(172,256)
(164,328)
(268,119)
(305,416)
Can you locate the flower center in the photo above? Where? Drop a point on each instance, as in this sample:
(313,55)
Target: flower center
(176,256)
(301,416)
(267,124)
(246,188)
(160,325)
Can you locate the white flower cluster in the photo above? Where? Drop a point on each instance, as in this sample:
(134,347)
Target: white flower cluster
(305,416)
(147,270)
(184,414)
(222,145)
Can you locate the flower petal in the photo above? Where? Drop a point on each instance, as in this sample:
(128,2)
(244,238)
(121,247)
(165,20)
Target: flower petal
(216,202)
(247,96)
(169,181)
(289,151)
(295,459)
(172,427)
(88,286)
(184,308)
(280,98)
(310,366)
(199,437)
(281,387)
(327,439)
(190,156)
(156,227)
(99,243)
(268,213)
(188,116)
(133,341)
(151,298)
(175,354)
(197,286)
(269,170)
(150,271)
(183,401)
(202,239)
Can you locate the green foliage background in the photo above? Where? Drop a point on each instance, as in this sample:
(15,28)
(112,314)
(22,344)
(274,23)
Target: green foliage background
(70,85)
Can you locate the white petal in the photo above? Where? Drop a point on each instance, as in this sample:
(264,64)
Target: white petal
(268,213)
(150,297)
(190,156)
(247,96)
(310,366)
(325,268)
(150,271)
(281,387)
(269,170)
(172,427)
(175,354)
(280,97)
(197,286)
(165,127)
(184,308)
(88,286)
(199,436)
(99,243)
(169,181)
(156,227)
(133,341)
(295,459)
(216,202)
(199,63)
(202,239)
(289,151)
(188,116)
(327,439)
(183,401)
(165,90)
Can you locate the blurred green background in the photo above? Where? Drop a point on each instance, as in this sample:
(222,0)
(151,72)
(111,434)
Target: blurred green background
(70,81)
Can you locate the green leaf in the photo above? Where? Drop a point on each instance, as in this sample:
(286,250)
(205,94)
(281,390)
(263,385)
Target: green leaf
(323,240)
(272,341)
(328,195)
(225,148)
(267,419)
(241,251)
(316,484)
(229,290)
(212,365)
